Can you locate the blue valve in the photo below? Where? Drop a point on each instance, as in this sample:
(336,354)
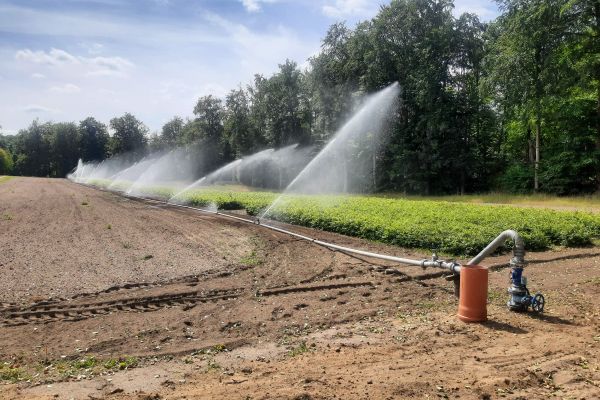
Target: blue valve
(520,298)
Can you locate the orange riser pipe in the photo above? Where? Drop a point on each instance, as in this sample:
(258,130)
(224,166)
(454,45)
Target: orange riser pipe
(472,301)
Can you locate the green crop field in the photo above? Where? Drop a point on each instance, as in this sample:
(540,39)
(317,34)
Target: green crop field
(449,227)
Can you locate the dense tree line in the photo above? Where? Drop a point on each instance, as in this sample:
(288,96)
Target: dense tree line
(513,104)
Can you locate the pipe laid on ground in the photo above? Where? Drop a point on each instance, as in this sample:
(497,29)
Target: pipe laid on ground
(518,250)
(433,263)
(420,263)
(473,281)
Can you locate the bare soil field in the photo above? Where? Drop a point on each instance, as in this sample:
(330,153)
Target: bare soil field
(108,297)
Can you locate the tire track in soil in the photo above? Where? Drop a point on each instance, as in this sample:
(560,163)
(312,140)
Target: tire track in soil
(63,311)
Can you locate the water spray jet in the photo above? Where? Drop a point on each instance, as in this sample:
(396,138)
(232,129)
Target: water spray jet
(329,170)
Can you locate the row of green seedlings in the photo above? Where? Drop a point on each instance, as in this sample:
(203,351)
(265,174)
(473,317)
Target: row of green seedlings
(453,228)
(448,227)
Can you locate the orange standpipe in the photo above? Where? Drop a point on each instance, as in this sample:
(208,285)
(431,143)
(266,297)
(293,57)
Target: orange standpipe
(472,301)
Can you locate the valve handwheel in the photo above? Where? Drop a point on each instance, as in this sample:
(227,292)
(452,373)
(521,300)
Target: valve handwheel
(538,303)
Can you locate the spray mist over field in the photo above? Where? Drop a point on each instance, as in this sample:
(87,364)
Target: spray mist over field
(174,168)
(347,163)
(268,169)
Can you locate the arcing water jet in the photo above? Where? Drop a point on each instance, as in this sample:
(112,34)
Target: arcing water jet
(332,168)
(170,168)
(263,169)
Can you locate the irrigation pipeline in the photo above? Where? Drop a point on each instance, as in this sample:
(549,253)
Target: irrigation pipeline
(425,263)
(472,309)
(451,266)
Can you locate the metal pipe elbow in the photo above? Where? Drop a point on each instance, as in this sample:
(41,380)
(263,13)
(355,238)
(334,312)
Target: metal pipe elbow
(518,249)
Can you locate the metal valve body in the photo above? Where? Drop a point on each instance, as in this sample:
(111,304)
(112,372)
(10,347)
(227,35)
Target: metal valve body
(520,299)
(519,295)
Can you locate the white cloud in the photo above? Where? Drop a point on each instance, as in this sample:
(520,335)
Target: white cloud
(37,75)
(262,52)
(90,27)
(112,63)
(37,109)
(93,48)
(103,66)
(53,57)
(346,8)
(67,88)
(255,5)
(251,5)
(109,66)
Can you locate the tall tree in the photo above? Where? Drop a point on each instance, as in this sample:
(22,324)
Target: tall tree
(413,44)
(287,112)
(209,116)
(207,129)
(333,78)
(258,114)
(172,132)
(32,149)
(93,140)
(477,139)
(237,125)
(64,148)
(583,41)
(129,136)
(522,60)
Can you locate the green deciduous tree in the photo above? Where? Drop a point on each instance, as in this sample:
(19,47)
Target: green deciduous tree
(32,148)
(6,162)
(287,108)
(172,132)
(209,118)
(523,64)
(582,49)
(94,140)
(129,136)
(237,126)
(64,145)
(206,131)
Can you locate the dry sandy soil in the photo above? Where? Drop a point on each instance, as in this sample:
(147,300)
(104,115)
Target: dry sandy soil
(176,304)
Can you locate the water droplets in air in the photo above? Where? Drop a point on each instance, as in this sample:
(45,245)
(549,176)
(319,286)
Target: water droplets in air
(346,164)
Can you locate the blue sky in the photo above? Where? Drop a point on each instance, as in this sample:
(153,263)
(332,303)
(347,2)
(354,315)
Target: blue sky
(66,60)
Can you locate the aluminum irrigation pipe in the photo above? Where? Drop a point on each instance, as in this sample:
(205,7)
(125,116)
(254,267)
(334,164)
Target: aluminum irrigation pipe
(518,250)
(424,263)
(454,267)
(477,289)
